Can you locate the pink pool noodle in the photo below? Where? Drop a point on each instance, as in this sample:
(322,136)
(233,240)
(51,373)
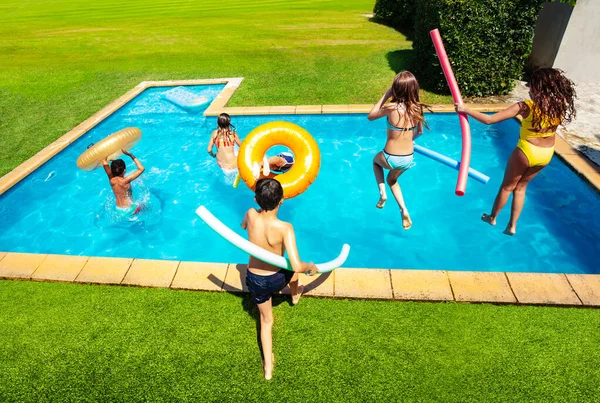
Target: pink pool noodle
(465,159)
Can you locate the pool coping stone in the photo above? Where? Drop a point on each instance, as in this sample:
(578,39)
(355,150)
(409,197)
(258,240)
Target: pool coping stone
(346,283)
(421,285)
(527,288)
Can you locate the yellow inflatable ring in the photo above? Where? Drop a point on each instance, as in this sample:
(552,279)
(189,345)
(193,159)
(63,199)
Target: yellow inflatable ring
(307,157)
(109,148)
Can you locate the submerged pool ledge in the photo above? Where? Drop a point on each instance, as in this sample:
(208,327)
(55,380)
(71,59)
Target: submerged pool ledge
(380,284)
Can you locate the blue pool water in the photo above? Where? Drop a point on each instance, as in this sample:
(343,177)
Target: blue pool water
(60,209)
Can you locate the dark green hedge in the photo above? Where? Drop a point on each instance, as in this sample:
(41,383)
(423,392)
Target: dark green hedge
(487,42)
(395,13)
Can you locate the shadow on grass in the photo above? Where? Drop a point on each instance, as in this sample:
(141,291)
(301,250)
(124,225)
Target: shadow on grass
(249,306)
(406,31)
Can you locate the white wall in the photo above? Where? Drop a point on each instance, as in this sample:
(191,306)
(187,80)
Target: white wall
(579,52)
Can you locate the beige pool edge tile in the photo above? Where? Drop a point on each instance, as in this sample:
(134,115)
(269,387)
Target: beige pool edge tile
(16,265)
(200,276)
(235,278)
(320,285)
(104,270)
(308,110)
(334,109)
(363,283)
(256,110)
(587,288)
(151,273)
(469,286)
(583,167)
(60,268)
(543,289)
(2,254)
(282,110)
(421,285)
(360,108)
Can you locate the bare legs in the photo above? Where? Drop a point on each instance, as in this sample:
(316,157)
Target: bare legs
(378,171)
(295,288)
(266,325)
(379,163)
(517,176)
(266,338)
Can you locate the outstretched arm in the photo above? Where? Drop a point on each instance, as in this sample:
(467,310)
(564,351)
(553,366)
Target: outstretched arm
(289,242)
(378,110)
(211,143)
(507,113)
(140,168)
(107,168)
(237,139)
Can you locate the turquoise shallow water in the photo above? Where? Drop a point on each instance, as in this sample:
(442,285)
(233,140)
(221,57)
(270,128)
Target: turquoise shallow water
(60,209)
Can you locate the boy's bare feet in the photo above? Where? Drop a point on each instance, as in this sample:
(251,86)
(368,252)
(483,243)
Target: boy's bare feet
(269,368)
(488,219)
(510,230)
(406,221)
(298,294)
(381,202)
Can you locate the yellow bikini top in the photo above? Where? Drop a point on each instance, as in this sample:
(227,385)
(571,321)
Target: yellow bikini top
(527,131)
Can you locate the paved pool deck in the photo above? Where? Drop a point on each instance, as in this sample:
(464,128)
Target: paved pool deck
(381,284)
(362,283)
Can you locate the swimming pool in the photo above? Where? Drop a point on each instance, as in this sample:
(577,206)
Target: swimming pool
(60,209)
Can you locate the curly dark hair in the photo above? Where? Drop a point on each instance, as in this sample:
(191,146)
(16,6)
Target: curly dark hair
(554,96)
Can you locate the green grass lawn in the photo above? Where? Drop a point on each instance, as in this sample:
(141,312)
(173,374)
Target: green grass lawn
(63,342)
(62,60)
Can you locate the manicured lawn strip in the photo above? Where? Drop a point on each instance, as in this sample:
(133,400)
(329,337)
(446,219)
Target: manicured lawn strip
(61,61)
(93,343)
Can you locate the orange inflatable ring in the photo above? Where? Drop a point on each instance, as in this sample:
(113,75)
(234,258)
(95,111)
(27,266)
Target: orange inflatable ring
(307,157)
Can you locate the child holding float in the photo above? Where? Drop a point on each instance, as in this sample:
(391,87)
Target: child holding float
(404,118)
(263,279)
(551,104)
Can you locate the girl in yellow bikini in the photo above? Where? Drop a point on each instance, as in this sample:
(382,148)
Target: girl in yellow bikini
(552,104)
(224,138)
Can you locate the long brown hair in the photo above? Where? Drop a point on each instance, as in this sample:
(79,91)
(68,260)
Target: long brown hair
(405,90)
(225,128)
(554,96)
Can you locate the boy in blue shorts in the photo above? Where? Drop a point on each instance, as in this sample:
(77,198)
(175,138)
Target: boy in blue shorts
(263,279)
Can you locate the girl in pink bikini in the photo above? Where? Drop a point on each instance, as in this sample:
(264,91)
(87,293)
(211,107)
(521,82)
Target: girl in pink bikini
(224,138)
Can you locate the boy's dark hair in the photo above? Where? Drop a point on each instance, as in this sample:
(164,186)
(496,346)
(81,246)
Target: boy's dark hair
(268,193)
(117,167)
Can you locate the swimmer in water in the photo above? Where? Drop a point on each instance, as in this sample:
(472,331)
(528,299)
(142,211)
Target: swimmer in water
(276,165)
(121,185)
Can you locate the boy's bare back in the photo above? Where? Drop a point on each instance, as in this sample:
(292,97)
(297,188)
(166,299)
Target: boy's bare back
(268,232)
(122,190)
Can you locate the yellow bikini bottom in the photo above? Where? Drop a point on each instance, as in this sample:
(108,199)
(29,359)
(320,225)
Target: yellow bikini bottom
(537,156)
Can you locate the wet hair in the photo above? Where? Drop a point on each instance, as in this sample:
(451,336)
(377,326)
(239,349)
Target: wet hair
(225,128)
(405,90)
(268,193)
(117,167)
(554,96)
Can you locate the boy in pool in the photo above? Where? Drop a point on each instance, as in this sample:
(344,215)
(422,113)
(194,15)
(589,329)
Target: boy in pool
(121,185)
(278,164)
(263,279)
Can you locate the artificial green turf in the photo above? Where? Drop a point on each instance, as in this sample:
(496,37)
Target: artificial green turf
(63,342)
(62,60)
